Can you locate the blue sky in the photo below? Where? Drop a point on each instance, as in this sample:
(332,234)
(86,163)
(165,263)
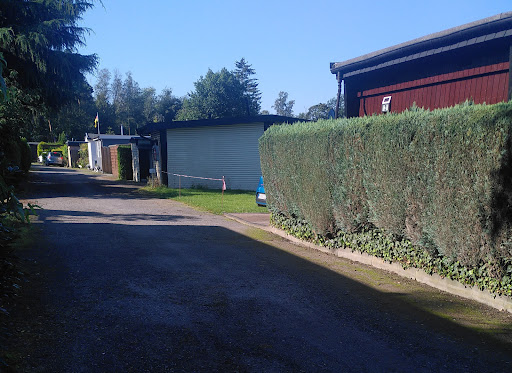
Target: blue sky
(168,43)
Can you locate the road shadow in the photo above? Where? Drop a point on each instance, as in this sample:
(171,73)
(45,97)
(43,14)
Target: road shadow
(54,182)
(141,291)
(166,297)
(51,216)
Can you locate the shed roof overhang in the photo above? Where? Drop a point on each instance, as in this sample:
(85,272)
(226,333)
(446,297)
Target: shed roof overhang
(498,27)
(266,119)
(142,141)
(74,143)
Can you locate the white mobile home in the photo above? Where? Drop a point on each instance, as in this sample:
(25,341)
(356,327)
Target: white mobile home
(96,141)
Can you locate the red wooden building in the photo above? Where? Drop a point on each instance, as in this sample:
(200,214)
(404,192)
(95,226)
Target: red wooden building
(469,62)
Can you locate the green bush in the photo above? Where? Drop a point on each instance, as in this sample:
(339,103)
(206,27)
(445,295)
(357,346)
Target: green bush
(26,155)
(124,159)
(49,146)
(441,179)
(289,178)
(62,138)
(396,249)
(14,153)
(41,147)
(83,156)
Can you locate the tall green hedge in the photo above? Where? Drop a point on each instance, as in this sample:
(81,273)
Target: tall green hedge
(47,147)
(442,179)
(124,159)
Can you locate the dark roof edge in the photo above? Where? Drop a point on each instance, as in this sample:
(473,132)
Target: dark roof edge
(150,127)
(345,65)
(75,142)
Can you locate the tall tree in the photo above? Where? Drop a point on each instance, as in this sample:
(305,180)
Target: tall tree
(102,91)
(44,72)
(167,106)
(252,94)
(39,39)
(216,95)
(149,102)
(332,103)
(103,100)
(102,87)
(131,104)
(3,86)
(116,89)
(75,118)
(124,103)
(322,110)
(20,112)
(282,106)
(316,112)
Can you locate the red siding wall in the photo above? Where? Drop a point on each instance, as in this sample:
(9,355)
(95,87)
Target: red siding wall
(487,84)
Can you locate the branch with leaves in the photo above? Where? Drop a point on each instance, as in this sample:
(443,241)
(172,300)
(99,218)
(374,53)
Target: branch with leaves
(3,65)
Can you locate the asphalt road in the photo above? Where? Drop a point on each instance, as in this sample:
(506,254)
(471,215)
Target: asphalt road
(133,284)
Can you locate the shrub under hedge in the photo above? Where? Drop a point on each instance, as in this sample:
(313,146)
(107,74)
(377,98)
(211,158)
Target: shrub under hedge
(442,179)
(395,249)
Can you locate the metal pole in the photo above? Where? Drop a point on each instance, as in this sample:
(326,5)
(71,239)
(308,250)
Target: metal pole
(336,112)
(222,202)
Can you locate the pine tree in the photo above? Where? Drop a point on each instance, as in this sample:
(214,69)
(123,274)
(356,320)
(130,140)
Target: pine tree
(252,94)
(39,40)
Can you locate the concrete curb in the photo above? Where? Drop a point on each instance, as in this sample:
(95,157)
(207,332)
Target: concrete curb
(445,284)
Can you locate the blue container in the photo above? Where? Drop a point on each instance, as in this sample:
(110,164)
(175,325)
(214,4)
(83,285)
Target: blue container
(261,197)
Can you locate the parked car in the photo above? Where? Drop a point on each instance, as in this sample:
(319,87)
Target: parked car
(261,197)
(54,158)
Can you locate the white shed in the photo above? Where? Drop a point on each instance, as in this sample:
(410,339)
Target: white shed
(96,141)
(212,149)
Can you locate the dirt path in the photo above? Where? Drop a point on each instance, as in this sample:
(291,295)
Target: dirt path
(124,283)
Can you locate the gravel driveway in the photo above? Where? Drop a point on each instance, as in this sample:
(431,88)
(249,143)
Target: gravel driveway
(126,283)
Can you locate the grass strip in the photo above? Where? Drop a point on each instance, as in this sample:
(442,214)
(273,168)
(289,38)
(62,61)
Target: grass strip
(211,200)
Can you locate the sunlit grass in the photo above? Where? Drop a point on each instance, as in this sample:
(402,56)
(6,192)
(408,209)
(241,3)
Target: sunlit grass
(234,201)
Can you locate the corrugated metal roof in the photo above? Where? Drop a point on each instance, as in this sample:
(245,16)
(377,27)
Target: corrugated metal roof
(147,129)
(491,28)
(416,56)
